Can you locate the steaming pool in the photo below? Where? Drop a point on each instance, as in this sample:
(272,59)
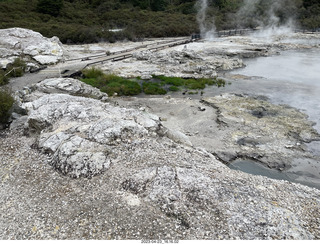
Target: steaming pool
(292,78)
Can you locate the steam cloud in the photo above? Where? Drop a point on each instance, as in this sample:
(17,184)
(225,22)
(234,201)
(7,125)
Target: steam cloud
(254,13)
(207,27)
(265,14)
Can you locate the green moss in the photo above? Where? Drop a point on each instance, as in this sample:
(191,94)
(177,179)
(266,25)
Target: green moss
(111,88)
(221,82)
(130,88)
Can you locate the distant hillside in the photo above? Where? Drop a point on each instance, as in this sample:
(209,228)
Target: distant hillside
(85,21)
(79,21)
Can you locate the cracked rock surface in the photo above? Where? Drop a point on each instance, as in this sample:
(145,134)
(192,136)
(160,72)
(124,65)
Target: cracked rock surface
(129,180)
(240,127)
(80,132)
(154,188)
(272,134)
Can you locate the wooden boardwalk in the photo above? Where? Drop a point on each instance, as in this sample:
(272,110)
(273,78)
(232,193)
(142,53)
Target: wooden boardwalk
(71,67)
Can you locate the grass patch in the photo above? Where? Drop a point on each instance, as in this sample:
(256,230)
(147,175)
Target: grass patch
(191,84)
(175,81)
(110,84)
(174,88)
(193,93)
(153,88)
(159,85)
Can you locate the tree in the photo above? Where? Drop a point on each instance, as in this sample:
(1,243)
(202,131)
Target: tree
(158,5)
(51,7)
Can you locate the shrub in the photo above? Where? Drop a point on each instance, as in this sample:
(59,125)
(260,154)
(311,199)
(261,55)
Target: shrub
(51,7)
(220,82)
(17,68)
(3,79)
(6,102)
(93,73)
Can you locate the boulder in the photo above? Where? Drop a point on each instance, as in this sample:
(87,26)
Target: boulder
(70,86)
(19,41)
(80,132)
(61,86)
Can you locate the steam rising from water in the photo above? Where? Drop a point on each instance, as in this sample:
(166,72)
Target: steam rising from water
(207,27)
(265,15)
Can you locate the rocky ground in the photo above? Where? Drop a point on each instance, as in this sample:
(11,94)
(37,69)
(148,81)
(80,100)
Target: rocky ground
(233,126)
(76,164)
(208,58)
(84,169)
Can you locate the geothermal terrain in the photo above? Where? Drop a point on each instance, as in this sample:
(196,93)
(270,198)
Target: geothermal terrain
(77,164)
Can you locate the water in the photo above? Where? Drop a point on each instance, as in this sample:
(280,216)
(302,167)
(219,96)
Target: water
(291,78)
(301,67)
(254,168)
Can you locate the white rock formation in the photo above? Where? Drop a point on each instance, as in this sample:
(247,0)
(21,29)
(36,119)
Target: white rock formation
(18,41)
(179,63)
(79,132)
(66,86)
